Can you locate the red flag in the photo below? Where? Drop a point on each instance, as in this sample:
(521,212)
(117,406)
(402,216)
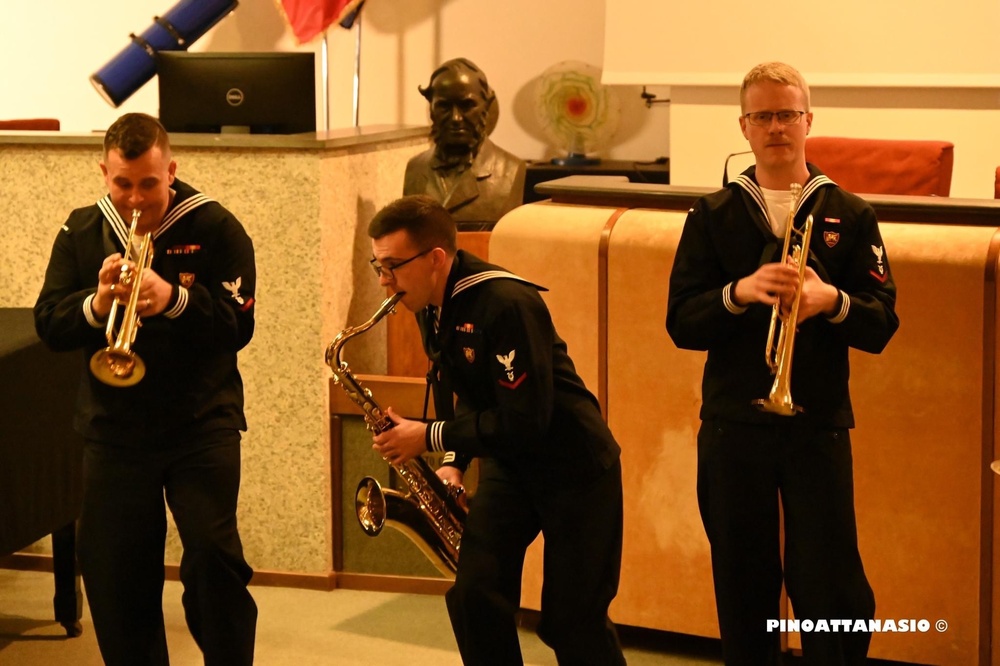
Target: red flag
(309,18)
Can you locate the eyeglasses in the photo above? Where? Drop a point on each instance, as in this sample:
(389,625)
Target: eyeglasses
(763,118)
(384,270)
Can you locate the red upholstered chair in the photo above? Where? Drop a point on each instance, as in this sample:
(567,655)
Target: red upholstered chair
(883,166)
(30,124)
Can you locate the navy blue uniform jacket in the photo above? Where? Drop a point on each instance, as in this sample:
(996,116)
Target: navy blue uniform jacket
(519,398)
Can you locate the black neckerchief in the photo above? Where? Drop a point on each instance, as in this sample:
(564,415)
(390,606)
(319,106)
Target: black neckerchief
(817,187)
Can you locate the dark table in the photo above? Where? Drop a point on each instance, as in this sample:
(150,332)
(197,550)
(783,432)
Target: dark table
(40,455)
(637,172)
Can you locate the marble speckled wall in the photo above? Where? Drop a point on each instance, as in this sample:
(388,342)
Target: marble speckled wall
(39,186)
(307,211)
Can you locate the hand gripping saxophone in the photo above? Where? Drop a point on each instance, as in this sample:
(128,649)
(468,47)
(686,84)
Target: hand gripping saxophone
(427,511)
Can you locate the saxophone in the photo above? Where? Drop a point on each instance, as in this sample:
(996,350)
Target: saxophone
(427,512)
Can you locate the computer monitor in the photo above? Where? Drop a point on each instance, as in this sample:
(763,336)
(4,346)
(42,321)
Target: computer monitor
(258,93)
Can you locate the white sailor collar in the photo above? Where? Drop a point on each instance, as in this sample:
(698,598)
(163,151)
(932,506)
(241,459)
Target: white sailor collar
(750,186)
(121,228)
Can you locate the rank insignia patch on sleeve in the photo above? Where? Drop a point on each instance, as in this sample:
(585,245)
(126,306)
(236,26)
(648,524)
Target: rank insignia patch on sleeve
(507,360)
(880,275)
(234,289)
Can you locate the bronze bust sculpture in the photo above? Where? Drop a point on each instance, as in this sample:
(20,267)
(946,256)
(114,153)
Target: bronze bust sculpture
(476,180)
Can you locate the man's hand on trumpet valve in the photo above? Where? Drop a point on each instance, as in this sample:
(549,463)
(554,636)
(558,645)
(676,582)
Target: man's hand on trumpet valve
(818,297)
(767,284)
(154,293)
(108,287)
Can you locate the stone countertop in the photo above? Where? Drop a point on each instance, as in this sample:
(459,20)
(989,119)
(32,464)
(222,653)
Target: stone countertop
(330,139)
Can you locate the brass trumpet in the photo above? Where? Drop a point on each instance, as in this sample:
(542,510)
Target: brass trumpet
(117,364)
(779,356)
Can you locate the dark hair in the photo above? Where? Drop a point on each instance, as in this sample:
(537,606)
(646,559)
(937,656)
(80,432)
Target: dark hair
(455,65)
(424,219)
(135,133)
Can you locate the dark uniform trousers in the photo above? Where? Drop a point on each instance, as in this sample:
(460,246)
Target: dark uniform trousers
(123,568)
(742,471)
(582,525)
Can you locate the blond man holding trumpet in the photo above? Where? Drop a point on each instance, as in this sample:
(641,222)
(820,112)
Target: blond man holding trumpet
(775,436)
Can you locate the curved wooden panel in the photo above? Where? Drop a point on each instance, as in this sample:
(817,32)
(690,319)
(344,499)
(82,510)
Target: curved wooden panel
(654,394)
(918,444)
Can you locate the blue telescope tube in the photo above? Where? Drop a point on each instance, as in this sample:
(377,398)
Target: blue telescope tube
(176,30)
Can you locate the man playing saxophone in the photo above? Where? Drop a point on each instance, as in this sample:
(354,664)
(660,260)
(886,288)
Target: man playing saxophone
(176,433)
(728,274)
(548,462)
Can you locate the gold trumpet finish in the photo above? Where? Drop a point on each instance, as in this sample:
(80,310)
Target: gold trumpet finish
(117,364)
(427,511)
(779,356)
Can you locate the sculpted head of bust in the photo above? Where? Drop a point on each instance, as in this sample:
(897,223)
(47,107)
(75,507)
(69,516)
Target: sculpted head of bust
(460,102)
(473,178)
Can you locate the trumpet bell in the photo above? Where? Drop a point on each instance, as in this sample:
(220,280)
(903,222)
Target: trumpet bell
(779,400)
(782,407)
(117,367)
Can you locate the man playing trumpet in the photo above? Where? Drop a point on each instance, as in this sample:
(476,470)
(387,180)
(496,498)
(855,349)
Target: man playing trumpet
(728,275)
(175,433)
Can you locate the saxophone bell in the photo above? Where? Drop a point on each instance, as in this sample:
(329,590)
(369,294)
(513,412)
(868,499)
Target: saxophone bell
(370,506)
